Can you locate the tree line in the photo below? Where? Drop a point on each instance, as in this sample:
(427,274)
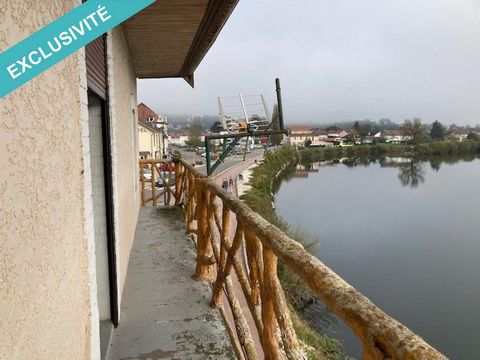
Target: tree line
(420,133)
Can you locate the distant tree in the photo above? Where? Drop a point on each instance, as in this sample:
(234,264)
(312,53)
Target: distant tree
(308,142)
(472,136)
(438,131)
(194,133)
(453,127)
(216,127)
(278,138)
(415,129)
(332,127)
(350,139)
(387,124)
(453,137)
(365,128)
(357,127)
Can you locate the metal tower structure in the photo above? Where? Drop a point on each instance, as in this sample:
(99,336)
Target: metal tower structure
(243,117)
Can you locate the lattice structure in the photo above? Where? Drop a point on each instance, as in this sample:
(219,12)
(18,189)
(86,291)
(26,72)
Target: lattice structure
(239,112)
(243,116)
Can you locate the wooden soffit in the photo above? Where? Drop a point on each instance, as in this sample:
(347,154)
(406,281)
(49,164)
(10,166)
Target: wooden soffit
(171,37)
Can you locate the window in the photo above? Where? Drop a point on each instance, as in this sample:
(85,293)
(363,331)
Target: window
(151,119)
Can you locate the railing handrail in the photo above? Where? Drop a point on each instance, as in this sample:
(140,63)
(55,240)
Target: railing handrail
(382,336)
(372,325)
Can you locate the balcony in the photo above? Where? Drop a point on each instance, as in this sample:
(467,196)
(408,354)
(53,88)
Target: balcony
(233,256)
(165,313)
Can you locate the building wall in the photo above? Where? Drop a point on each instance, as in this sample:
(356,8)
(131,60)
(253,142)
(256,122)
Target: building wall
(179,140)
(123,105)
(145,140)
(149,141)
(98,204)
(44,280)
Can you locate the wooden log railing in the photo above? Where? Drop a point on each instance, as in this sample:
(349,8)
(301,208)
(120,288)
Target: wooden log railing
(209,213)
(162,172)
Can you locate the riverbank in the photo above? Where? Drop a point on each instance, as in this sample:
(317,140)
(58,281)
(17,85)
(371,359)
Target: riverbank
(243,184)
(432,148)
(263,182)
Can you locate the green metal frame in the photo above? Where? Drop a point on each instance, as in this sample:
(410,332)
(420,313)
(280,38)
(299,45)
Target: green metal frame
(236,137)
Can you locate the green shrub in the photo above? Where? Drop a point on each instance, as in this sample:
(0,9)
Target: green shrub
(376,151)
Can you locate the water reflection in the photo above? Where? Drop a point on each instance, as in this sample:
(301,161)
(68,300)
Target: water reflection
(435,164)
(410,245)
(411,174)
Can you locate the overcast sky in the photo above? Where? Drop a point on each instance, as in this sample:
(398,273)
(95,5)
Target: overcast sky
(340,60)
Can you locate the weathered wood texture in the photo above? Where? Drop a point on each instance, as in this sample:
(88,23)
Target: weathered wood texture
(208,210)
(163,171)
(170,38)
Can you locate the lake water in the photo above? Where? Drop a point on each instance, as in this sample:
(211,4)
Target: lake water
(405,234)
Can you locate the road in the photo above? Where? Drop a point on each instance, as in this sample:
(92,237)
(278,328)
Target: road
(231,167)
(228,163)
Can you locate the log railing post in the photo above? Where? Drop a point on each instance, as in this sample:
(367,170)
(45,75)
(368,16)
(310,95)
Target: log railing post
(142,181)
(269,340)
(178,181)
(282,314)
(169,187)
(238,267)
(202,271)
(254,262)
(189,198)
(241,325)
(154,188)
(224,236)
(183,183)
(222,273)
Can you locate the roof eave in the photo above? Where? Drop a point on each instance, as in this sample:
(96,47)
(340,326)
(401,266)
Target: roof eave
(214,18)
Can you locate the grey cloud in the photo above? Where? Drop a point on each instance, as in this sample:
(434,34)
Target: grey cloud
(341,60)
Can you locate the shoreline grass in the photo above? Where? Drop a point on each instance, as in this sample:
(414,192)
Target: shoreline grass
(375,151)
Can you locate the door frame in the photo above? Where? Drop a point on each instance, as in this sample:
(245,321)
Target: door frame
(109,191)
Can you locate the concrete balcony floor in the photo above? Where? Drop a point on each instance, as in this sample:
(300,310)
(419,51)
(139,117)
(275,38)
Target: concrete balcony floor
(164,313)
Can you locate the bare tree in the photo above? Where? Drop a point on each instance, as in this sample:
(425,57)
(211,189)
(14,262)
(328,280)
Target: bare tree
(194,134)
(415,129)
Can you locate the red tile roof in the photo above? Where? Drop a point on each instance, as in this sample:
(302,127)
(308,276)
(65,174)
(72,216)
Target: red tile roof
(144,112)
(300,129)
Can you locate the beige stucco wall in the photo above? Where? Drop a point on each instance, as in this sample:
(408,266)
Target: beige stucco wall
(145,140)
(123,105)
(149,141)
(44,292)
